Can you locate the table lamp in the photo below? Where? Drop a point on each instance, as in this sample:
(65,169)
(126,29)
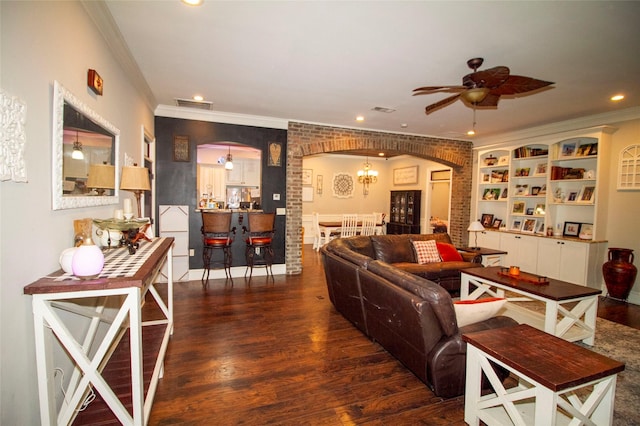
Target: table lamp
(136,180)
(476,227)
(101,177)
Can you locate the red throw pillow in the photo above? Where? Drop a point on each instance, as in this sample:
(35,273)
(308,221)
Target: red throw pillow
(448,252)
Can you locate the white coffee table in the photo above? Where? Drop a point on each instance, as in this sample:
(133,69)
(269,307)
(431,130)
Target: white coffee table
(570,310)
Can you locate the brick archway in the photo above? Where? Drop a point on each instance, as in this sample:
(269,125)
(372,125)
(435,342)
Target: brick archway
(307,139)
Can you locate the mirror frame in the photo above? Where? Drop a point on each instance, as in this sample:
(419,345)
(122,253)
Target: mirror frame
(59,200)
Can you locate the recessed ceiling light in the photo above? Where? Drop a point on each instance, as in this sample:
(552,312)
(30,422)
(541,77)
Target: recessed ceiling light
(193,2)
(198,98)
(471,133)
(381,154)
(359,118)
(617,98)
(404,125)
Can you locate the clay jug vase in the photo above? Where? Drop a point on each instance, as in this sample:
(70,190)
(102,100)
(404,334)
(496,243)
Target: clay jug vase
(619,272)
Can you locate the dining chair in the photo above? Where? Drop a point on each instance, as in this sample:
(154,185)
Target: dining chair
(382,229)
(217,234)
(368,224)
(260,232)
(322,236)
(349,225)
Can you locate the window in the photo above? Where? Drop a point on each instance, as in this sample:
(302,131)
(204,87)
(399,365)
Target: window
(629,168)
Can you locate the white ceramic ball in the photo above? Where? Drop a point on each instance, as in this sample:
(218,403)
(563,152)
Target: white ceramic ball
(65,259)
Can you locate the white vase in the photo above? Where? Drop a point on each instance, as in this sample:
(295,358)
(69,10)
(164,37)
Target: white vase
(65,259)
(88,260)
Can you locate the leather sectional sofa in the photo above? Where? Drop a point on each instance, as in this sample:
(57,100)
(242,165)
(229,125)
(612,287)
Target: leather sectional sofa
(411,317)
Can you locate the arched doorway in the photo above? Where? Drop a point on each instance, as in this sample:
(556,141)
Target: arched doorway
(308,139)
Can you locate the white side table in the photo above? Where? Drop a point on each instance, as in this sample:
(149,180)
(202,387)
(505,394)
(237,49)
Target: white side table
(550,372)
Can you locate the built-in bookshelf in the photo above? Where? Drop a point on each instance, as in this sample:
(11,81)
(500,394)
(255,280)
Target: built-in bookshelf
(549,199)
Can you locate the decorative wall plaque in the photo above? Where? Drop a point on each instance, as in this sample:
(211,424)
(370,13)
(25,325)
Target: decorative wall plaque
(342,185)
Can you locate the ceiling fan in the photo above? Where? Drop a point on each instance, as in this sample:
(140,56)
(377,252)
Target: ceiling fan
(482,88)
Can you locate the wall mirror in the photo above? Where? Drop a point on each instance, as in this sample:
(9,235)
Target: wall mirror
(85,168)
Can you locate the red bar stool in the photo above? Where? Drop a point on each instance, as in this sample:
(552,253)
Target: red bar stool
(259,251)
(217,234)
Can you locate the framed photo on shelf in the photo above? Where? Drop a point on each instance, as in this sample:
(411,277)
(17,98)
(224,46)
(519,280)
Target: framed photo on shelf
(487,220)
(571,229)
(568,149)
(496,223)
(541,169)
(516,225)
(518,207)
(540,227)
(587,194)
(486,178)
(539,210)
(586,231)
(543,189)
(530,211)
(491,194)
(524,171)
(504,194)
(522,190)
(572,197)
(529,226)
(503,160)
(535,190)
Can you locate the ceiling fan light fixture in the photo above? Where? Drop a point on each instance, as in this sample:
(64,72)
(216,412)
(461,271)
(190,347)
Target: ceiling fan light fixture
(475,95)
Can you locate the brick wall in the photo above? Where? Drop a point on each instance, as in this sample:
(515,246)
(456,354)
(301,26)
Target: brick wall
(308,139)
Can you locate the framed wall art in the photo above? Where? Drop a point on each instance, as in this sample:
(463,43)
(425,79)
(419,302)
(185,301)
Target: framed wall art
(319,184)
(181,151)
(307,177)
(405,175)
(275,154)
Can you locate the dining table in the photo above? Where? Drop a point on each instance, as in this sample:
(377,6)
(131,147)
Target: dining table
(329,227)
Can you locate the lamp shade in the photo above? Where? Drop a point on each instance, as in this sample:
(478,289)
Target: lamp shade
(135,179)
(475,227)
(102,176)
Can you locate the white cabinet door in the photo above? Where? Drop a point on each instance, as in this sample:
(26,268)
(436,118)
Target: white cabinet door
(563,260)
(251,172)
(521,251)
(549,253)
(486,239)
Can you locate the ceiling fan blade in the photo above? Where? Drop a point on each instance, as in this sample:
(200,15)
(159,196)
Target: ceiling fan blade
(427,90)
(492,77)
(440,104)
(519,84)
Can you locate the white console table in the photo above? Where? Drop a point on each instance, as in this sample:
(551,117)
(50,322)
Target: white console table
(112,304)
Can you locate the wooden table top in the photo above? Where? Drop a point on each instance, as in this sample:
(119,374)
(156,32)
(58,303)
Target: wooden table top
(549,360)
(553,290)
(338,224)
(121,270)
(482,250)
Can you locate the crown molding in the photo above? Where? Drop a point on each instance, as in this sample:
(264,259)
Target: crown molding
(102,18)
(604,119)
(221,117)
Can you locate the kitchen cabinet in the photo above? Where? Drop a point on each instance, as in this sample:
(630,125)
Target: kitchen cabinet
(246,172)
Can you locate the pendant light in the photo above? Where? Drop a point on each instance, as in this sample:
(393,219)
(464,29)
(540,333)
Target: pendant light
(77,153)
(228,164)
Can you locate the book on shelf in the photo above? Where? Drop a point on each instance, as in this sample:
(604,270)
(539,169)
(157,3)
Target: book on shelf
(526,151)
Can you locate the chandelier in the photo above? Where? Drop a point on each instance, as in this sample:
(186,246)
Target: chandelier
(367,176)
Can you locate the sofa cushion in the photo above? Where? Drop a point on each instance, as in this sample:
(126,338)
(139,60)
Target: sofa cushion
(472,311)
(393,248)
(448,253)
(426,252)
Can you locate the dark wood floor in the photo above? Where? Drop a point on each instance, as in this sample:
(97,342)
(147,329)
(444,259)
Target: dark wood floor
(276,352)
